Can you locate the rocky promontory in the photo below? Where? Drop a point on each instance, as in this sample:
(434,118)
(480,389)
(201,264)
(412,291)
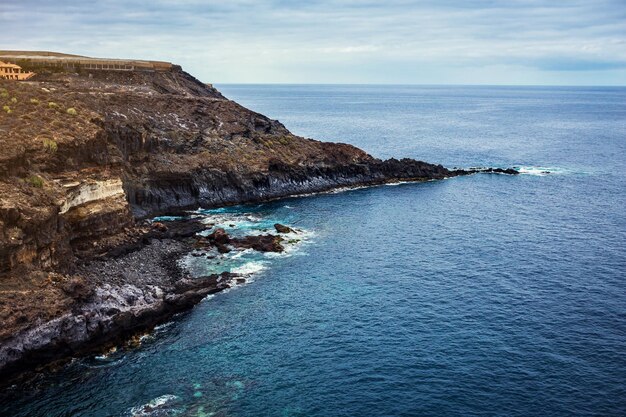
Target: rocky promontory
(88,153)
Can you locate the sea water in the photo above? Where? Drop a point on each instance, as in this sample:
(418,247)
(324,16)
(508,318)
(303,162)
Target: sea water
(480,295)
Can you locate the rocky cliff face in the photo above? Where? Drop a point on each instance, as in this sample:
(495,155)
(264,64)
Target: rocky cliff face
(86,156)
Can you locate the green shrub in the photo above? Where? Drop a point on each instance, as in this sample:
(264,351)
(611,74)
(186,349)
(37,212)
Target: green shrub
(52,105)
(71,111)
(13,100)
(35,181)
(50,145)
(7,109)
(4,94)
(34,101)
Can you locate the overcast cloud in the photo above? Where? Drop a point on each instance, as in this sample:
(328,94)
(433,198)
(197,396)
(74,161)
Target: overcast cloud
(332,41)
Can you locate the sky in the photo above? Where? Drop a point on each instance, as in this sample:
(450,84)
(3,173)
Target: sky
(515,42)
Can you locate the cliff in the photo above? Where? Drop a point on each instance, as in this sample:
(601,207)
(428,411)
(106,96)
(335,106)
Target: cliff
(87,154)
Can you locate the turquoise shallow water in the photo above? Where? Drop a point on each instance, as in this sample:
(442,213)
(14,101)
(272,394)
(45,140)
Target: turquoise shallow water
(481,295)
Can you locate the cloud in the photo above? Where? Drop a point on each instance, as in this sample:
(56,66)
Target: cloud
(338,41)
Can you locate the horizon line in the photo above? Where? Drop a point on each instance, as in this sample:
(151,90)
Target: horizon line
(424,84)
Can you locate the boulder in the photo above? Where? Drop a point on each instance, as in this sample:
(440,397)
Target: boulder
(261,243)
(159,226)
(77,288)
(280,228)
(219,236)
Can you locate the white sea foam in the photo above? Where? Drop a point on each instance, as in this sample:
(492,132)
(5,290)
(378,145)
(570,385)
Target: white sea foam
(107,355)
(163,326)
(540,171)
(154,407)
(293,243)
(235,222)
(393,184)
(247,263)
(242,253)
(348,188)
(252,267)
(208,297)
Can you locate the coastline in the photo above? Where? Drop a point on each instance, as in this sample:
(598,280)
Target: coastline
(141,144)
(110,310)
(138,285)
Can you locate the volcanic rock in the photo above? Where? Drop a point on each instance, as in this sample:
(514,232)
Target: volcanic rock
(219,236)
(261,243)
(282,228)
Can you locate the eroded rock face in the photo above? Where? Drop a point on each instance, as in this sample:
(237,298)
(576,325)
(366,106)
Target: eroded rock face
(90,191)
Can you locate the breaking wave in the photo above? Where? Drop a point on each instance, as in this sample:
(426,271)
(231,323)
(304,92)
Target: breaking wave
(160,406)
(540,171)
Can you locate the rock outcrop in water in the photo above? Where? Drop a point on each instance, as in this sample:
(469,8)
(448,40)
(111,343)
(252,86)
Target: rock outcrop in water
(86,155)
(281,228)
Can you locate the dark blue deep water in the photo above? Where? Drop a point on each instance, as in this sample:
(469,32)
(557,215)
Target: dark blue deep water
(481,295)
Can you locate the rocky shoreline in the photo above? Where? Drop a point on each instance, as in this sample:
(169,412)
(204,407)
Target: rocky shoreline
(135,286)
(88,156)
(132,290)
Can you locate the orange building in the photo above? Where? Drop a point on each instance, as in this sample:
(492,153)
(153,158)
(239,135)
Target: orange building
(10,71)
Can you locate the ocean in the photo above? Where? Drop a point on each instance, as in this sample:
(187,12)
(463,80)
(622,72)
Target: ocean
(478,295)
